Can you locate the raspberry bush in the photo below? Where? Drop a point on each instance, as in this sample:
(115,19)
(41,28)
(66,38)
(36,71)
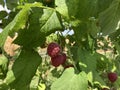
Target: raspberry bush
(62,45)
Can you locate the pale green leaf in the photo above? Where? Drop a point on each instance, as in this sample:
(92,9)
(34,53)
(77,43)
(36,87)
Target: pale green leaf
(50,21)
(67,8)
(34,82)
(90,77)
(71,81)
(10,77)
(3,64)
(62,7)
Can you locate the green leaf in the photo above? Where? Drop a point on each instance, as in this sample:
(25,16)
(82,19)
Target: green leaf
(10,77)
(11,15)
(31,37)
(52,38)
(62,7)
(115,36)
(117,46)
(50,21)
(90,77)
(18,23)
(93,29)
(28,41)
(41,86)
(30,1)
(23,70)
(77,8)
(70,8)
(103,5)
(2,2)
(3,63)
(98,79)
(35,14)
(109,18)
(87,61)
(86,9)
(71,81)
(34,82)
(81,36)
(41,23)
(11,3)
(4,86)
(3,14)
(94,78)
(117,83)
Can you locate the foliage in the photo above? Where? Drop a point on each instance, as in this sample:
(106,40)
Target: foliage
(93,49)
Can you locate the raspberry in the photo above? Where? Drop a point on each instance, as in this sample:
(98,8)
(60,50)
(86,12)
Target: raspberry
(53,49)
(58,60)
(112,76)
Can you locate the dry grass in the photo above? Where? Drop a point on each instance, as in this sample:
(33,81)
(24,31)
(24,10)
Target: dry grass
(9,47)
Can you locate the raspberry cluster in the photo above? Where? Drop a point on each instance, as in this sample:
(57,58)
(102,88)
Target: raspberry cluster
(57,56)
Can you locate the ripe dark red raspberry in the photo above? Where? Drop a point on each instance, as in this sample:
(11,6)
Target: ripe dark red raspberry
(53,49)
(58,60)
(112,77)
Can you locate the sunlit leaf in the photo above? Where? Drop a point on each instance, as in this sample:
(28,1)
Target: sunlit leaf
(71,81)
(50,21)
(3,64)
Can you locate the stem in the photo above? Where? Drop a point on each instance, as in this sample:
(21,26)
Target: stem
(70,55)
